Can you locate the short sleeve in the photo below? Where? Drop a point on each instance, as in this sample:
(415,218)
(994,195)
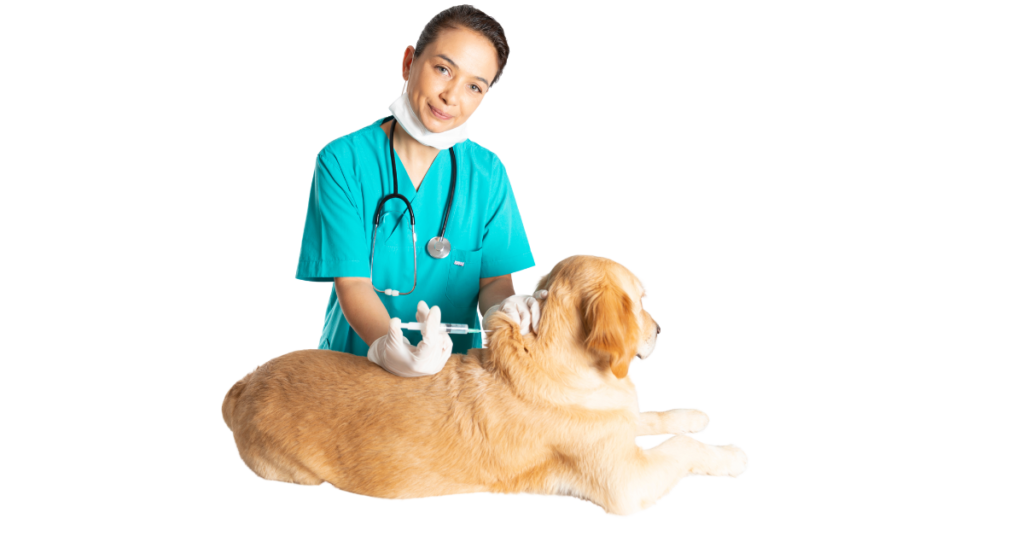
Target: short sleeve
(333,240)
(505,248)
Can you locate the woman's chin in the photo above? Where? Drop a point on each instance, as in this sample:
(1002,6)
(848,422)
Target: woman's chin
(435,125)
(436,128)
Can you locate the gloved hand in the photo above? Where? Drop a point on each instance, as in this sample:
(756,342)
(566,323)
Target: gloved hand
(395,354)
(523,308)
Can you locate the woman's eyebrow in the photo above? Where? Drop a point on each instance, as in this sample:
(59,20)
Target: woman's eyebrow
(456,65)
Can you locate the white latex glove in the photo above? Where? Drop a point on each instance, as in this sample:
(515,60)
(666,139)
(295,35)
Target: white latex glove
(523,308)
(395,354)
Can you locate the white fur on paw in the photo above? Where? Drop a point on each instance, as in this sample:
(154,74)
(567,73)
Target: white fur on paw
(685,421)
(733,460)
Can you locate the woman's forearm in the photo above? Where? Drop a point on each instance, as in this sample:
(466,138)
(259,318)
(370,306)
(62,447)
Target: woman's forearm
(493,293)
(362,307)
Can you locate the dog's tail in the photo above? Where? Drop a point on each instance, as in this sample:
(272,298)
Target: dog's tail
(228,407)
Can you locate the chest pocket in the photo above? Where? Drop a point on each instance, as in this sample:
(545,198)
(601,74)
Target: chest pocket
(463,276)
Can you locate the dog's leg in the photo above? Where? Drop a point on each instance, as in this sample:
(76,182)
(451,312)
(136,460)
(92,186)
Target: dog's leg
(647,475)
(273,466)
(676,421)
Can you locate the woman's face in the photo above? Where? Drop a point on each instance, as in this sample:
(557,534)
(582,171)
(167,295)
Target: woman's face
(449,79)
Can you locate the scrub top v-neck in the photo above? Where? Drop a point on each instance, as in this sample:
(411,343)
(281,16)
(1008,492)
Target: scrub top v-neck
(402,171)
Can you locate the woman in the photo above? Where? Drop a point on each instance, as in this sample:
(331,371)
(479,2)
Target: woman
(459,56)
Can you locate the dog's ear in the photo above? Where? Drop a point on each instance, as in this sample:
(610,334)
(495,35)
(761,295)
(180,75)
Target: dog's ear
(610,326)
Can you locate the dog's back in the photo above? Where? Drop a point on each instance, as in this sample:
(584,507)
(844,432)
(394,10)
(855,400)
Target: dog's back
(317,415)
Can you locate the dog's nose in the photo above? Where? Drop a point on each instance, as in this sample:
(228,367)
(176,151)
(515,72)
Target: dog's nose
(659,328)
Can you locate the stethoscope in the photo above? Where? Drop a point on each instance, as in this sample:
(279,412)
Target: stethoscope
(439,246)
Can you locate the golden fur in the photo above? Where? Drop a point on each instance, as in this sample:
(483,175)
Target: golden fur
(551,413)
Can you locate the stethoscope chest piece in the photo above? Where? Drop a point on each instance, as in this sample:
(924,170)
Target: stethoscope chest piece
(439,247)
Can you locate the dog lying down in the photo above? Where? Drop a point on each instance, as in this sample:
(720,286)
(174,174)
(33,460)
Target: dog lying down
(551,413)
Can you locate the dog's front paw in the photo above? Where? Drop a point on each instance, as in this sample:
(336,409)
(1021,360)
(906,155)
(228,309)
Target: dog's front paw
(731,460)
(685,421)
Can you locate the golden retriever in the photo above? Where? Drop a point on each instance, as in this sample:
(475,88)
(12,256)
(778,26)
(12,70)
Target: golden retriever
(551,413)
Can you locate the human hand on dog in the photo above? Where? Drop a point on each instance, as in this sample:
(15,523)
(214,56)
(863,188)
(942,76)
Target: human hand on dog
(395,354)
(524,310)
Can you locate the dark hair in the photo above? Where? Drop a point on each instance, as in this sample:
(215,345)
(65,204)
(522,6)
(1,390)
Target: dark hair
(470,18)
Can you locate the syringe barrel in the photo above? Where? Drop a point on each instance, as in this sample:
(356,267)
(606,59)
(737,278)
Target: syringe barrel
(455,329)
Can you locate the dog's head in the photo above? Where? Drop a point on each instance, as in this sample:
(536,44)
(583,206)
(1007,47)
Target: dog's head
(594,316)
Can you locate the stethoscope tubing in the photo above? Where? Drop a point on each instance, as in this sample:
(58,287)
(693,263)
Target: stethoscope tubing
(412,217)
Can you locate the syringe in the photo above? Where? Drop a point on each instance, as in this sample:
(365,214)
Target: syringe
(454,329)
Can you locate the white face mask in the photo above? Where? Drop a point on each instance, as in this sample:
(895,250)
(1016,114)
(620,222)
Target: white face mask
(406,116)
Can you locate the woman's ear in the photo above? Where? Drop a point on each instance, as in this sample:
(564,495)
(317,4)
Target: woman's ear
(407,63)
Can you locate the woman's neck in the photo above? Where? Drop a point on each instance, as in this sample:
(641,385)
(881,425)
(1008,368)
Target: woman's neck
(412,152)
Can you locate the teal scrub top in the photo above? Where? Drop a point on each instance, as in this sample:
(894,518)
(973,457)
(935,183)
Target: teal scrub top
(484,227)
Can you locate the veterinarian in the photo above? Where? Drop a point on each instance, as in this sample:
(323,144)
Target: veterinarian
(458,58)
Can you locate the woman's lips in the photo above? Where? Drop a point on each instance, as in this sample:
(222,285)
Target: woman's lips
(438,114)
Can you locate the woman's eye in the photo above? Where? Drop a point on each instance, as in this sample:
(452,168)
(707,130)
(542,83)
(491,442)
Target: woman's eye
(477,88)
(442,67)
